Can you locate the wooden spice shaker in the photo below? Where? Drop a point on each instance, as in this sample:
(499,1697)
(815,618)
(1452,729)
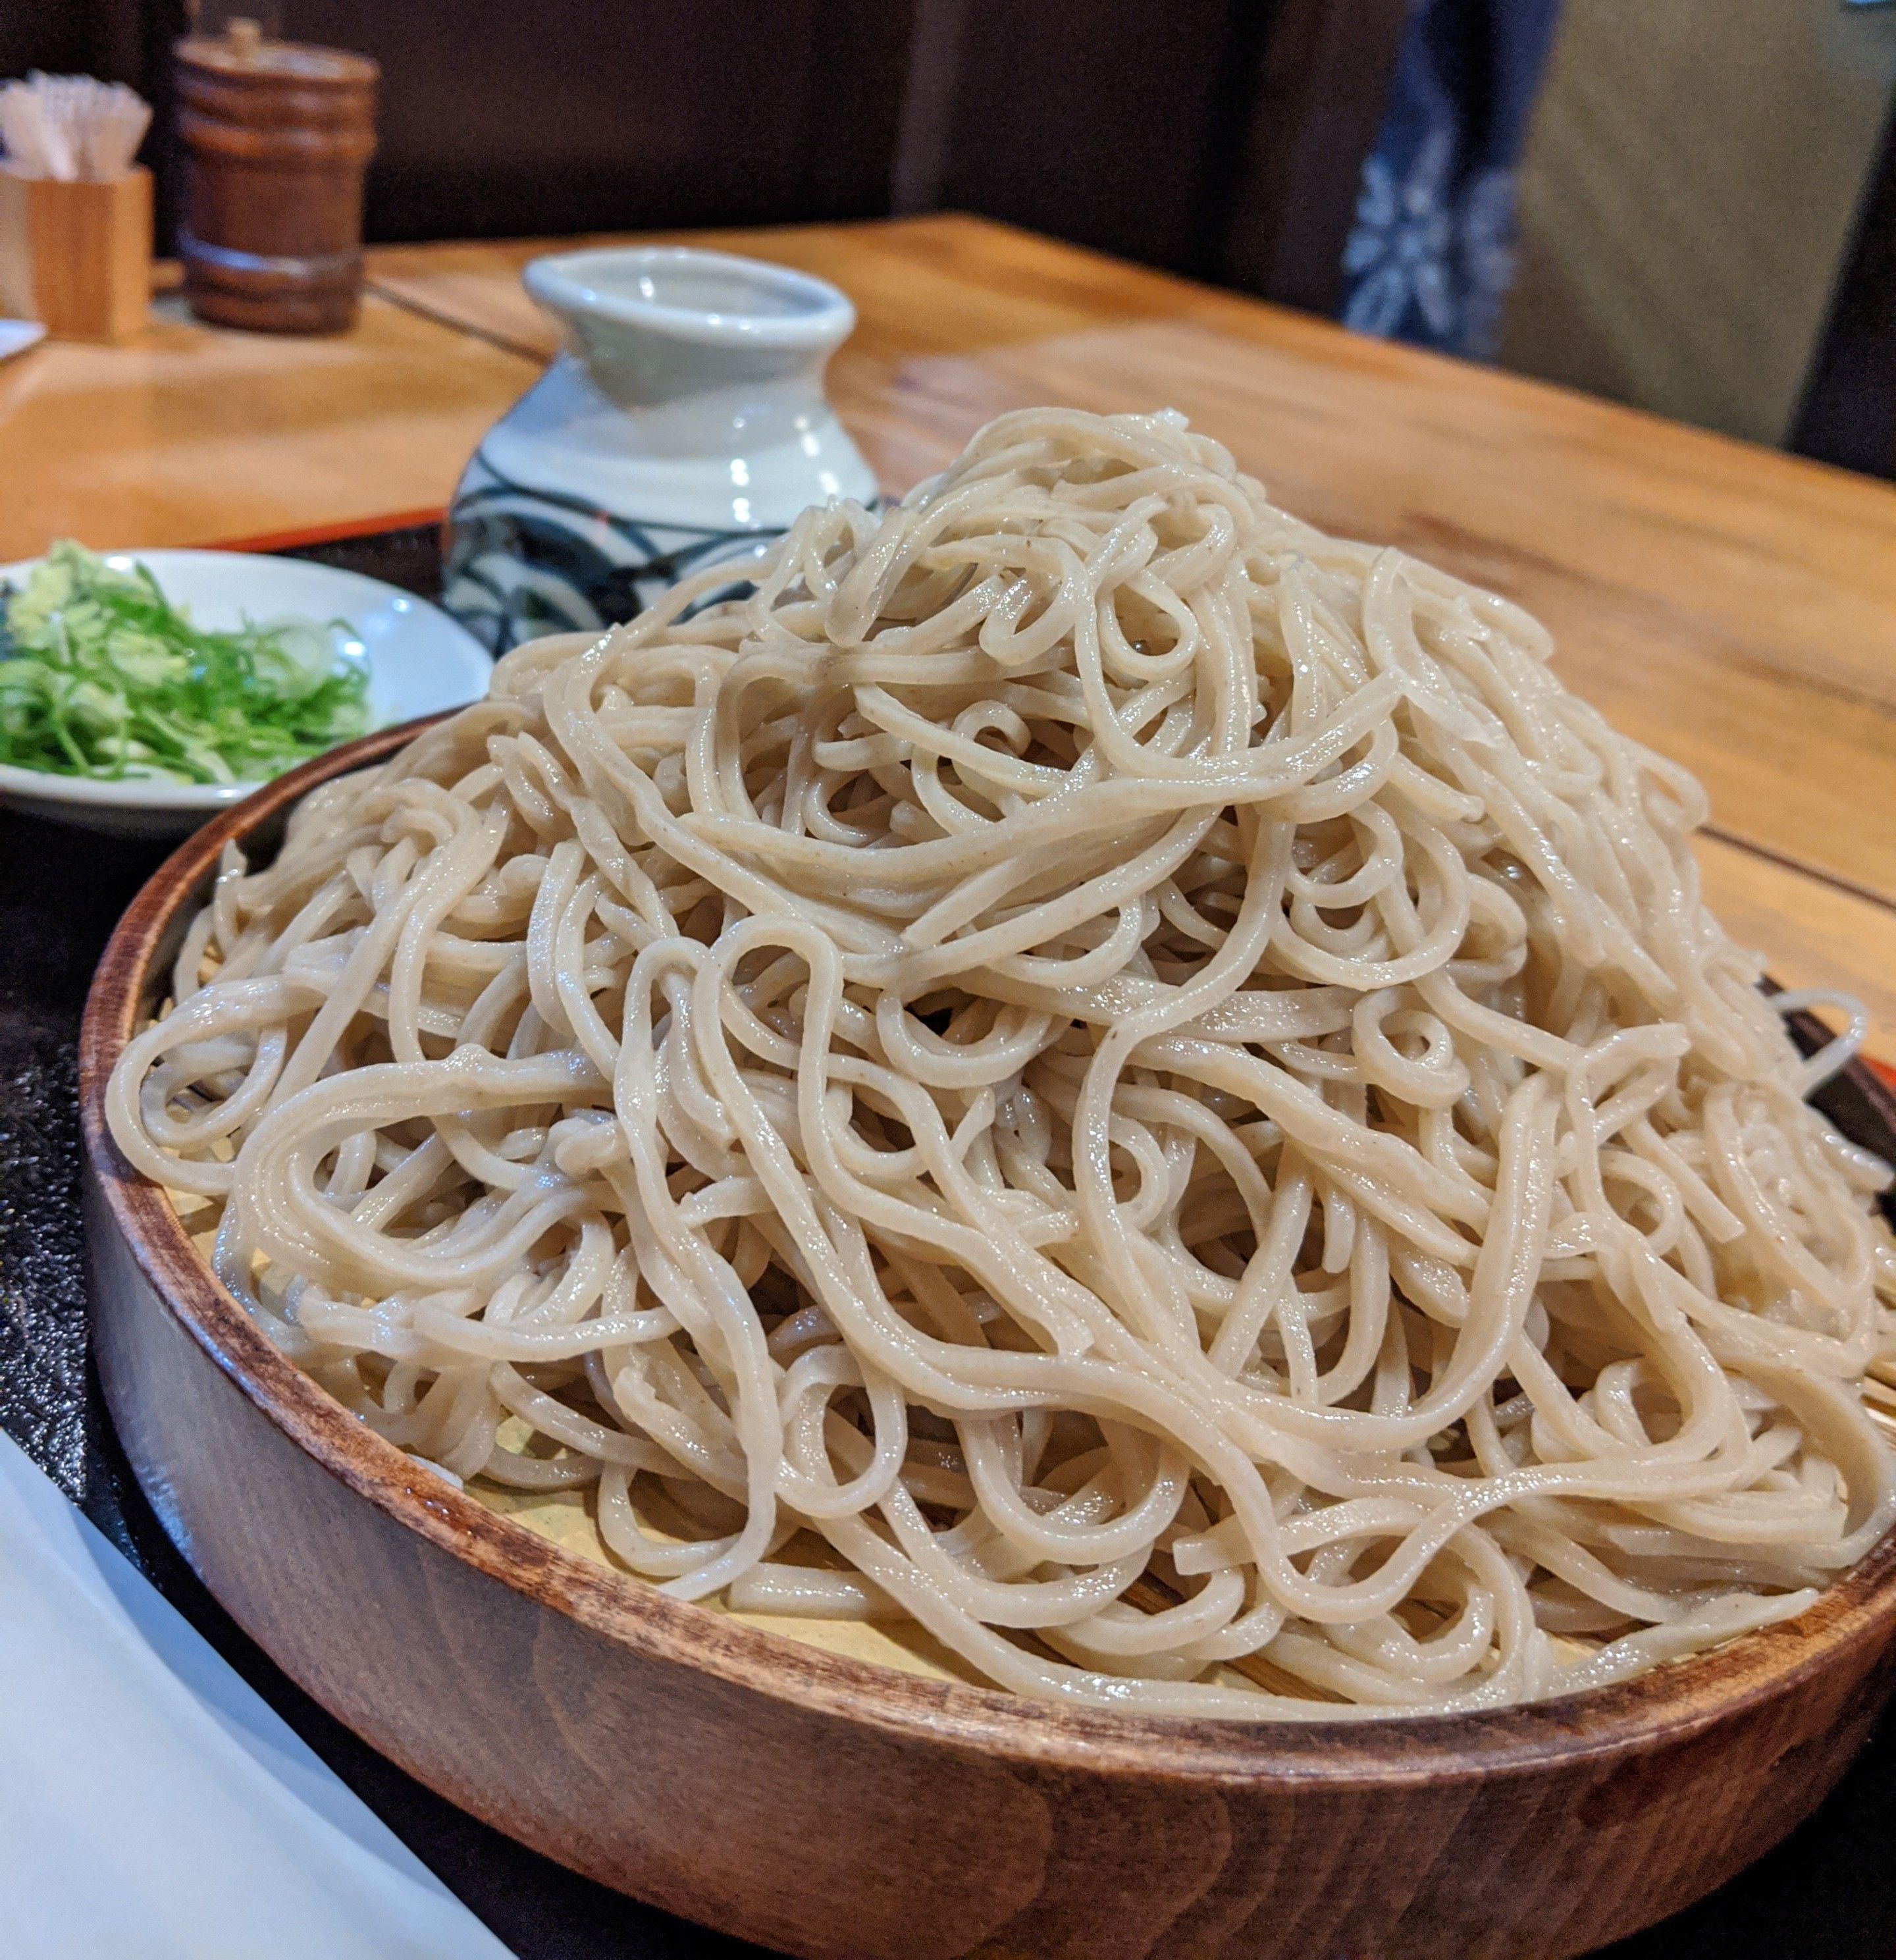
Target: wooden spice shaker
(276,137)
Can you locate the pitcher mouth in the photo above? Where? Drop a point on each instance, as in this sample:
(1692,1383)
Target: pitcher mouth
(677,290)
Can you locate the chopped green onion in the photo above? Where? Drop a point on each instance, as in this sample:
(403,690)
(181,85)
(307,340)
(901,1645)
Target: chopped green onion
(101,676)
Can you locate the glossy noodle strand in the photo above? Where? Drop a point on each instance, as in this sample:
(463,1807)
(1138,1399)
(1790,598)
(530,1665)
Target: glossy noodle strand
(1089,1067)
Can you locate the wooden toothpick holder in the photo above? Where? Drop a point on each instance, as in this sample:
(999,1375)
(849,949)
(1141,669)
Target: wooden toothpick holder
(77,256)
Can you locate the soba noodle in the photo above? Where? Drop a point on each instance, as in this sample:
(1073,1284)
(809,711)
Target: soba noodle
(1090,1068)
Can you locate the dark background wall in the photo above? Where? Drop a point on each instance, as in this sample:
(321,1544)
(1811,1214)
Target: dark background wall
(1178,133)
(498,118)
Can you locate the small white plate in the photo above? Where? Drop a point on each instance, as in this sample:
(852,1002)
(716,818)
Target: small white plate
(419,661)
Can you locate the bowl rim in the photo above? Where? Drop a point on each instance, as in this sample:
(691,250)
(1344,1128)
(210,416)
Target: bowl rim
(1663,1705)
(576,285)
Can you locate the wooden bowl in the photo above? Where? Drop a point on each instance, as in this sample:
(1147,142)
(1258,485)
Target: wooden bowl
(832,1807)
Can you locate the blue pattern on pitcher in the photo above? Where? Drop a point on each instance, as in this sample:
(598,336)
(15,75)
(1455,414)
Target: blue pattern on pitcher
(683,425)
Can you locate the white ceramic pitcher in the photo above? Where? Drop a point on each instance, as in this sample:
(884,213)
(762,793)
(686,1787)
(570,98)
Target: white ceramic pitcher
(684,426)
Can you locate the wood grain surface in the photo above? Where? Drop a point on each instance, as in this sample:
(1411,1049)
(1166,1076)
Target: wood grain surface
(834,1809)
(189,433)
(1732,606)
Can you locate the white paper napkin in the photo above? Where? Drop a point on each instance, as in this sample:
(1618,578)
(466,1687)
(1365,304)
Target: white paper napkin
(153,1807)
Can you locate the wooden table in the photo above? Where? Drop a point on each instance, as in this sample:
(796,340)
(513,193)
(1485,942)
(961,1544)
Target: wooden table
(1732,606)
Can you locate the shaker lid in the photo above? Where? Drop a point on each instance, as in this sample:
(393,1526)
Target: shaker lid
(242,50)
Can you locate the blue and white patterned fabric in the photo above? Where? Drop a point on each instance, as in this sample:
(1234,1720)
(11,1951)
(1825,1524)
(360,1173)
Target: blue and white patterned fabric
(1432,253)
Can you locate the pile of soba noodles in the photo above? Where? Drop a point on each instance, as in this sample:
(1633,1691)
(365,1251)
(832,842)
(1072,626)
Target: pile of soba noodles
(1090,1068)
